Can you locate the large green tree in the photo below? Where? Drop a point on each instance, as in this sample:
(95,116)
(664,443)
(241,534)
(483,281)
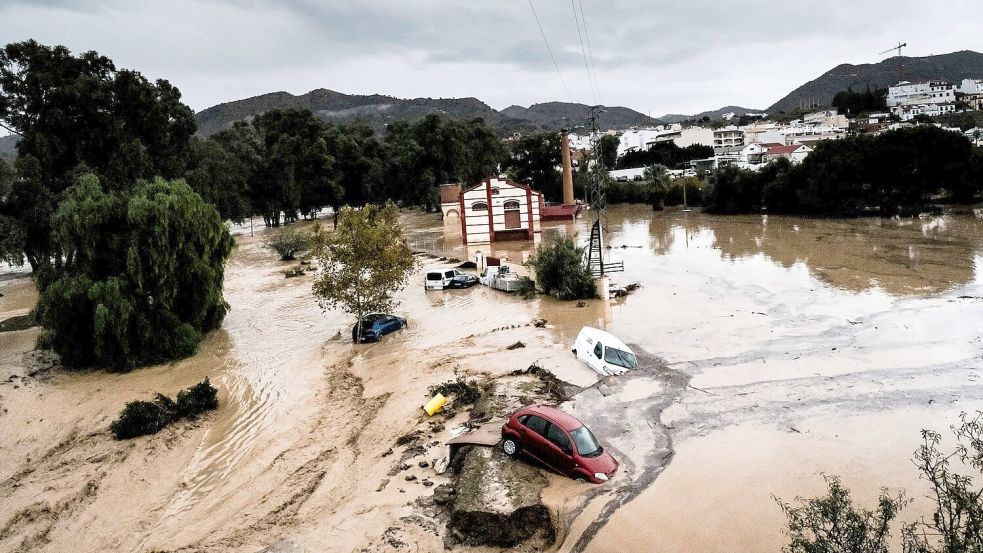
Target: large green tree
(80,114)
(142,275)
(220,178)
(363,263)
(535,159)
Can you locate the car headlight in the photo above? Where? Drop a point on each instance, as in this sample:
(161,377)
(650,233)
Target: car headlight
(601,476)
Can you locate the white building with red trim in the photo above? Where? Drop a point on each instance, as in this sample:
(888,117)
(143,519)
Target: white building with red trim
(496,210)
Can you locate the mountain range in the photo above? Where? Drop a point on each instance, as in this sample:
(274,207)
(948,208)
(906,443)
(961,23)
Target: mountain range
(379,110)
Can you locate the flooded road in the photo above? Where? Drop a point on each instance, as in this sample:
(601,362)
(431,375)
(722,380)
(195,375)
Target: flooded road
(786,348)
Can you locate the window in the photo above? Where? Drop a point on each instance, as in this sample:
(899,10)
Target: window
(587,444)
(479,206)
(511,204)
(523,419)
(536,424)
(449,274)
(559,438)
(599,350)
(620,358)
(433,276)
(494,191)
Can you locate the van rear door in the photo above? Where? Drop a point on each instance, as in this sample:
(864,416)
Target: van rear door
(434,280)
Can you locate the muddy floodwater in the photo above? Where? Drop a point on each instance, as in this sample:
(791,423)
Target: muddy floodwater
(775,350)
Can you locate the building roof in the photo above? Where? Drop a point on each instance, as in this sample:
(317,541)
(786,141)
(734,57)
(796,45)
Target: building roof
(506,181)
(783,150)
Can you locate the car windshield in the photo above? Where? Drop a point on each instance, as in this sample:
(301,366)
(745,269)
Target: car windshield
(620,358)
(587,445)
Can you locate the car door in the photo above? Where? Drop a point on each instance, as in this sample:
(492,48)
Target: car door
(534,437)
(560,449)
(449,279)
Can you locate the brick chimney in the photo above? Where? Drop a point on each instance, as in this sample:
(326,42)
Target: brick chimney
(567,169)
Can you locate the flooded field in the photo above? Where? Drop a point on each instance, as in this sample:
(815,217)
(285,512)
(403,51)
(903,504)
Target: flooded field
(785,348)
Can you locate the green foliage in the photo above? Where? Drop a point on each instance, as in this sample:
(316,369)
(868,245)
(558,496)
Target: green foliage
(659,183)
(288,243)
(526,288)
(220,178)
(854,103)
(562,271)
(196,400)
(664,153)
(832,524)
(142,275)
(898,172)
(80,111)
(696,191)
(464,391)
(533,160)
(140,418)
(364,262)
(608,151)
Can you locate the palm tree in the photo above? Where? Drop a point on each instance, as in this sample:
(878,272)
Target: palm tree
(658,177)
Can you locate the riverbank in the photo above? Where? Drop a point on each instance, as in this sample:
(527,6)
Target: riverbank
(779,349)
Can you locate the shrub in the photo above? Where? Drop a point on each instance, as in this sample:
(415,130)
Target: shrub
(562,271)
(197,399)
(288,243)
(140,418)
(526,288)
(694,192)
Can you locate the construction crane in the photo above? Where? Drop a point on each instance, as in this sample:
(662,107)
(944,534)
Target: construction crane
(900,67)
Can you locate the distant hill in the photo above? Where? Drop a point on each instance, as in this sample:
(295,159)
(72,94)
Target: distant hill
(714,115)
(952,67)
(378,110)
(8,147)
(555,115)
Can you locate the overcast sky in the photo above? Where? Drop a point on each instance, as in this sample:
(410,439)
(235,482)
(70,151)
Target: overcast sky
(660,57)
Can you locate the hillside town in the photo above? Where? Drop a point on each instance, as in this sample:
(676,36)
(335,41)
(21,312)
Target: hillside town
(766,138)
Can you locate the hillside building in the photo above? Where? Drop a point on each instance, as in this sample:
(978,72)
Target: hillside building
(729,139)
(929,92)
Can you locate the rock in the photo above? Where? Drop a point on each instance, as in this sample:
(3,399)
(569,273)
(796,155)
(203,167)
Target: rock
(408,438)
(516,345)
(427,482)
(382,485)
(539,323)
(497,502)
(443,494)
(295,272)
(410,478)
(423,464)
(388,452)
(581,304)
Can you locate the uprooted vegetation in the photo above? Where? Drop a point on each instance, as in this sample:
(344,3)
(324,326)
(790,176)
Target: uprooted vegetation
(140,418)
(463,391)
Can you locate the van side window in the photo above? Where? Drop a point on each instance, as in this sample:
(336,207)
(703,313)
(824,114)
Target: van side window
(449,274)
(536,424)
(559,438)
(599,351)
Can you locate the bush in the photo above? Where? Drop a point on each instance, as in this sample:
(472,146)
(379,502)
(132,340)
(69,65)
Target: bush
(288,243)
(139,418)
(526,289)
(197,399)
(695,192)
(562,271)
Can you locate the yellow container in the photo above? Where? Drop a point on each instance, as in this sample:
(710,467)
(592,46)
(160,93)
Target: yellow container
(435,404)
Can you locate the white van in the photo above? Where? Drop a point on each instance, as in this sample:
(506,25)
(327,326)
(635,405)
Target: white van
(603,352)
(439,279)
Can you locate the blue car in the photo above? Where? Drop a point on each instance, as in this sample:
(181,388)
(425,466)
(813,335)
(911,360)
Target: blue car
(377,325)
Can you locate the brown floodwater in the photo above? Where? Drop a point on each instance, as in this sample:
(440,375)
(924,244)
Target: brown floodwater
(785,348)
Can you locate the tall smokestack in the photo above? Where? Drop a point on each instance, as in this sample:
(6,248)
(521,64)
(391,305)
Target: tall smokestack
(567,169)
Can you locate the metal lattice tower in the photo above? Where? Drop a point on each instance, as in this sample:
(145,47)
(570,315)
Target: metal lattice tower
(597,201)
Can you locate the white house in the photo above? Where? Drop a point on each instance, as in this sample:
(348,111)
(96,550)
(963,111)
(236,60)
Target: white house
(499,210)
(795,153)
(728,140)
(908,112)
(971,86)
(929,92)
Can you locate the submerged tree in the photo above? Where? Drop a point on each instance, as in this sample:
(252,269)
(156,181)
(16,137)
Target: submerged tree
(142,275)
(562,271)
(364,262)
(832,524)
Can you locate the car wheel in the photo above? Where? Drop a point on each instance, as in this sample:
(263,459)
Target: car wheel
(580,480)
(510,447)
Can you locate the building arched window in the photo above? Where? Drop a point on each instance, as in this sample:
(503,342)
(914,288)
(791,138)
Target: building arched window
(479,206)
(511,204)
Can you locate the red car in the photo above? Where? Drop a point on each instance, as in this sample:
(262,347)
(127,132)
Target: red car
(559,441)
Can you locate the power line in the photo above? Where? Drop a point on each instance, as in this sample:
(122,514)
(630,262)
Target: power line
(550,50)
(590,51)
(590,80)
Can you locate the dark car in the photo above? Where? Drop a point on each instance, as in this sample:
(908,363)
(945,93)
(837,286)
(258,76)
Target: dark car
(377,325)
(559,441)
(462,280)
